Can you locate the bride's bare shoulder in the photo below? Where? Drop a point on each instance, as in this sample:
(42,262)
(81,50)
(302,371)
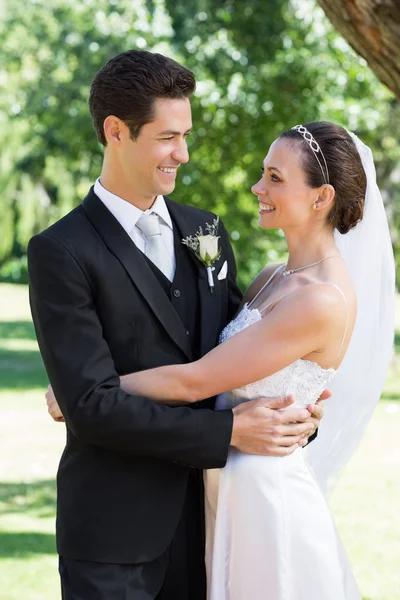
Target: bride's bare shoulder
(259,281)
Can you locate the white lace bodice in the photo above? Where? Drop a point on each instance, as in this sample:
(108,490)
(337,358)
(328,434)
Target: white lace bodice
(303,378)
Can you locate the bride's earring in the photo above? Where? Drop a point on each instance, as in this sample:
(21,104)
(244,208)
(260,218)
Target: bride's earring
(314,205)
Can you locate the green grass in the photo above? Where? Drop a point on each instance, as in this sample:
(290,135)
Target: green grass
(365,503)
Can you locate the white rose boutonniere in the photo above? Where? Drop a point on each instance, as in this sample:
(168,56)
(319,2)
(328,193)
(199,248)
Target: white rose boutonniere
(208,248)
(205,247)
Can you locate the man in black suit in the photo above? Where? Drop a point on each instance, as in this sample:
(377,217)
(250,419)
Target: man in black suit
(109,297)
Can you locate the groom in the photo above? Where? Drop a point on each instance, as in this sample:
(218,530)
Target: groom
(113,290)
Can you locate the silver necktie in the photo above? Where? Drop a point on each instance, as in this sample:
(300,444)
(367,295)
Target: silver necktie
(156,251)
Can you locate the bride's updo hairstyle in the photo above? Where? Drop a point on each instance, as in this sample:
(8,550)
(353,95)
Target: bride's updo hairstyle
(340,166)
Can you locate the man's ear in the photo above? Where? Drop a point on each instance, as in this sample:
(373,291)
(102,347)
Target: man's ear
(114,130)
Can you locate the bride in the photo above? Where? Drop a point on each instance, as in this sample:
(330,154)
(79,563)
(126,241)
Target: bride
(326,317)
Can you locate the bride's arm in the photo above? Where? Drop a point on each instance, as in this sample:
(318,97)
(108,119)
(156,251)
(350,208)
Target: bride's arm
(302,323)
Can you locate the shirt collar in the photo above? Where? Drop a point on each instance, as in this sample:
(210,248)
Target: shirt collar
(128,214)
(160,208)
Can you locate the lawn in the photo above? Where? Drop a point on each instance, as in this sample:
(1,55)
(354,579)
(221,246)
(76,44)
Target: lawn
(365,504)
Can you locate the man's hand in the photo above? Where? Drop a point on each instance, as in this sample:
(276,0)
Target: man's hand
(260,427)
(52,406)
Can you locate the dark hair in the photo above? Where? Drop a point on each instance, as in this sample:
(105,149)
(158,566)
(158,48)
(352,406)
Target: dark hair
(346,173)
(128,85)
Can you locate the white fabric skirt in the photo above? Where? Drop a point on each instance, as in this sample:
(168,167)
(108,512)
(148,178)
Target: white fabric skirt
(270,533)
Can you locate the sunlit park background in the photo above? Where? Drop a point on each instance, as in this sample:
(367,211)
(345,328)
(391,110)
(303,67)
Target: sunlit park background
(261,66)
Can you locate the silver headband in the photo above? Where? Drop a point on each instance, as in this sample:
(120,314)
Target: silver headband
(315,147)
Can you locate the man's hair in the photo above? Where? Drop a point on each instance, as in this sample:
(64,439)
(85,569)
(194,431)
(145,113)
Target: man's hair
(128,85)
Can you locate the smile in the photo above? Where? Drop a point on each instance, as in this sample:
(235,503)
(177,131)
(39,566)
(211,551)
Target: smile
(264,208)
(170,170)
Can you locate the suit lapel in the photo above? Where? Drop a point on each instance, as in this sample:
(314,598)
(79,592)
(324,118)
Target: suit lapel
(210,302)
(121,245)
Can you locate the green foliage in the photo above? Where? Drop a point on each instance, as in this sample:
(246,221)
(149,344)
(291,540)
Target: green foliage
(260,69)
(14,270)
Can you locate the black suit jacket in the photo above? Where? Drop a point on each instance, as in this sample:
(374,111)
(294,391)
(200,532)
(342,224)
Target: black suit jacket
(99,312)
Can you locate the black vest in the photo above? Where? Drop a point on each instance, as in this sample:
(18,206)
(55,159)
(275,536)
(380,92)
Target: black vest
(183,291)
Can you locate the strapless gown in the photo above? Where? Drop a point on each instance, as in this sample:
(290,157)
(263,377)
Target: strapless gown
(270,533)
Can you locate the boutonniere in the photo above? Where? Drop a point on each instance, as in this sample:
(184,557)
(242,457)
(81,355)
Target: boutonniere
(205,248)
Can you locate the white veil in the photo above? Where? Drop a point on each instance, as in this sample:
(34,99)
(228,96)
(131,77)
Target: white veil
(357,386)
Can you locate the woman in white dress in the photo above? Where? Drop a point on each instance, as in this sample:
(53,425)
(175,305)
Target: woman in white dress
(270,534)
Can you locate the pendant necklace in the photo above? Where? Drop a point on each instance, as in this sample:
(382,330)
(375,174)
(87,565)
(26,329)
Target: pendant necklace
(287,272)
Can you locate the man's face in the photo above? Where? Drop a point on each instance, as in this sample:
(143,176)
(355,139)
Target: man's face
(150,162)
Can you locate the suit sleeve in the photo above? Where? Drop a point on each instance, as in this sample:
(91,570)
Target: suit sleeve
(312,437)
(83,375)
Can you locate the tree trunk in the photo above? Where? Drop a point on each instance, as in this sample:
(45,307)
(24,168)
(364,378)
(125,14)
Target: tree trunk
(372,28)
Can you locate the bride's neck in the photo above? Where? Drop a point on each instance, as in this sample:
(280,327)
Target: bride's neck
(307,247)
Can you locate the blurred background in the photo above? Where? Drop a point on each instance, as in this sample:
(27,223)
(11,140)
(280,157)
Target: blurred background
(261,67)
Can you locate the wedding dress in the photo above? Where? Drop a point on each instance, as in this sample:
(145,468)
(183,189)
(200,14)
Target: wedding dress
(270,533)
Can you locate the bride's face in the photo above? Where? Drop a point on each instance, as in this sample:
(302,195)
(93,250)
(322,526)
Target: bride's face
(285,200)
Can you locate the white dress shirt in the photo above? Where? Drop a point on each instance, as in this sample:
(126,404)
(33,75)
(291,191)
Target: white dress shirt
(128,215)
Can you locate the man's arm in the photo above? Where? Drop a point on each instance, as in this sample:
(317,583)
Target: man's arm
(98,412)
(259,426)
(82,372)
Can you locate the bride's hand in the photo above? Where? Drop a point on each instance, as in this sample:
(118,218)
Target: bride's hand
(52,406)
(317,412)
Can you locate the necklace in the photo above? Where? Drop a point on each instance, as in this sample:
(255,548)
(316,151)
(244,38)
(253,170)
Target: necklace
(287,272)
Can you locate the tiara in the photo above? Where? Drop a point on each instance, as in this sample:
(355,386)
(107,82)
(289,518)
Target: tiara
(315,147)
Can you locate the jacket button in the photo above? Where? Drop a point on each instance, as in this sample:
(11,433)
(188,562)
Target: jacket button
(177,293)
